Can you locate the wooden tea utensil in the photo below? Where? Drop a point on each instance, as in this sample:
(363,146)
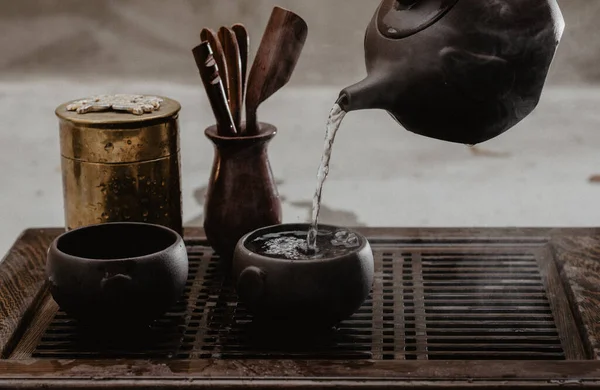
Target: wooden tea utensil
(234,70)
(209,35)
(213,84)
(275,60)
(243,40)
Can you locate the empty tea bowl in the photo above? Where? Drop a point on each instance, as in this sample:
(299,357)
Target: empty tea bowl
(121,273)
(280,281)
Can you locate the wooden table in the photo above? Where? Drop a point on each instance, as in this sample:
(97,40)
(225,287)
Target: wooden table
(450,308)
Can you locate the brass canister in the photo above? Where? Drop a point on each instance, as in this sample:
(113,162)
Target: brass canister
(121,160)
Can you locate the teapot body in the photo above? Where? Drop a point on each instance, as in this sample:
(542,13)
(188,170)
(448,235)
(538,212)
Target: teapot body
(466,74)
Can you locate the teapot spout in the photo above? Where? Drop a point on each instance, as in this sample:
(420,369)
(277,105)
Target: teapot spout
(366,94)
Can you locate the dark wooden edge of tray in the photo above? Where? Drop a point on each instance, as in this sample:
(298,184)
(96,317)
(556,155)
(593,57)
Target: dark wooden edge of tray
(229,374)
(577,255)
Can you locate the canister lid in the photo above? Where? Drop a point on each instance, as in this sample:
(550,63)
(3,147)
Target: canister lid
(118,109)
(119,128)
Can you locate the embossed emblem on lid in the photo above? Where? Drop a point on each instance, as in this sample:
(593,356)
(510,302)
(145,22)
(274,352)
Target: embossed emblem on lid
(135,104)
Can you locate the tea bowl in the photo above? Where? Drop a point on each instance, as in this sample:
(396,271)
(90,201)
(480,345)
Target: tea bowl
(117,273)
(313,292)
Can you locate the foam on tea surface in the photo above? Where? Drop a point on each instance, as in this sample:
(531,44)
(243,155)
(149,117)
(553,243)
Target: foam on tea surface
(292,245)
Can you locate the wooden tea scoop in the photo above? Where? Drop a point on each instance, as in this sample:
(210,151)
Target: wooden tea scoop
(209,35)
(234,70)
(213,84)
(275,60)
(243,40)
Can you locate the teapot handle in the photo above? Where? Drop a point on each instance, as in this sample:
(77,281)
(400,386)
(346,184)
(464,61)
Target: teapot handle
(251,283)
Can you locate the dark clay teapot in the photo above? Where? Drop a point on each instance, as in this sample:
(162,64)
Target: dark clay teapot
(462,71)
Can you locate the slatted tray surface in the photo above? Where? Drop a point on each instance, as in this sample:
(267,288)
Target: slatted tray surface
(428,302)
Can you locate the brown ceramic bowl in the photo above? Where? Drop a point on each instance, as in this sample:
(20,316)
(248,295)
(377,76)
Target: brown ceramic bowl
(314,293)
(122,273)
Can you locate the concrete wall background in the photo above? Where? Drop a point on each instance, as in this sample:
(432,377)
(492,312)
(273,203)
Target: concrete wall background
(151,39)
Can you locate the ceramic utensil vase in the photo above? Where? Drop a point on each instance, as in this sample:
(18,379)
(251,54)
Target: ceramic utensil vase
(242,195)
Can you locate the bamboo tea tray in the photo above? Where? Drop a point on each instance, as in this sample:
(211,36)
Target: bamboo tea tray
(450,308)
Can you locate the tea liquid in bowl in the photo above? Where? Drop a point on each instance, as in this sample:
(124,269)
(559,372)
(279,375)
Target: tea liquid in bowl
(293,246)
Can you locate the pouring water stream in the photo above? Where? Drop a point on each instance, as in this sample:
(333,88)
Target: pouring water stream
(336,116)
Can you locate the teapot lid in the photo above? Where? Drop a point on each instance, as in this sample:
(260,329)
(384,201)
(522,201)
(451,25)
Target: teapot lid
(400,18)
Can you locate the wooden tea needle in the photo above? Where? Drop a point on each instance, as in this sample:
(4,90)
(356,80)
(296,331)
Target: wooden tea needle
(243,40)
(234,70)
